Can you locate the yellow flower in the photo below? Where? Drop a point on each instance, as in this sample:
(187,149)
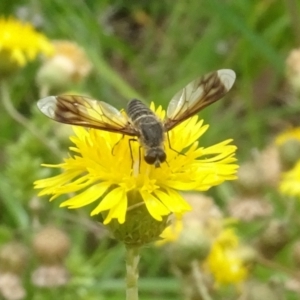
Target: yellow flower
(105,170)
(224,261)
(172,233)
(290,183)
(288,144)
(19,43)
(205,217)
(290,134)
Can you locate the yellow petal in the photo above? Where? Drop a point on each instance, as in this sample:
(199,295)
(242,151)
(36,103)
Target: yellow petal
(110,200)
(88,196)
(154,206)
(117,212)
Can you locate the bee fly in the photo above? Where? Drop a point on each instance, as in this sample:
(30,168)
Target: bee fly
(151,131)
(140,121)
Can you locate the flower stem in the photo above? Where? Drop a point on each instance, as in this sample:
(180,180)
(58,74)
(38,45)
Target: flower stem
(199,282)
(22,120)
(132,274)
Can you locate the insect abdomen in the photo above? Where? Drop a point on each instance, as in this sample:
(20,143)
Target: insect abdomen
(137,110)
(150,127)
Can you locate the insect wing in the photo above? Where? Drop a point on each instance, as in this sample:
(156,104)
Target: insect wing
(198,94)
(83,111)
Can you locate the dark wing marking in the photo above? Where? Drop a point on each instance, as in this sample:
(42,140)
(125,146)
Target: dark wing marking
(83,111)
(197,95)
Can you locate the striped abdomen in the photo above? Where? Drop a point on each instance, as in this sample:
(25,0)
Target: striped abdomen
(150,127)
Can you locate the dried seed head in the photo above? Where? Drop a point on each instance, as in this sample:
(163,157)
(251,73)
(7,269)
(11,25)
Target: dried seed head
(249,178)
(51,245)
(205,214)
(11,287)
(249,208)
(255,290)
(273,239)
(35,205)
(50,276)
(293,69)
(269,164)
(69,65)
(289,152)
(13,257)
(264,170)
(293,284)
(192,244)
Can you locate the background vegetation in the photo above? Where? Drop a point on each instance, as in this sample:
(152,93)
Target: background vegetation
(149,50)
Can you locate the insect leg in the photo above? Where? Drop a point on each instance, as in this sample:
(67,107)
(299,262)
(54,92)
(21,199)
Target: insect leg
(117,143)
(131,155)
(171,146)
(140,158)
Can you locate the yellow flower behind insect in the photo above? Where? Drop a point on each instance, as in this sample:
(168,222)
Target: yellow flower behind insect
(172,233)
(109,170)
(205,236)
(290,183)
(20,43)
(290,134)
(288,143)
(224,261)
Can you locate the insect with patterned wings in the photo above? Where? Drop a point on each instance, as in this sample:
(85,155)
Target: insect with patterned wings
(141,122)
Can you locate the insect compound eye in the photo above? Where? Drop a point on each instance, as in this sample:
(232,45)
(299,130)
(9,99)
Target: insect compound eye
(150,157)
(155,156)
(161,156)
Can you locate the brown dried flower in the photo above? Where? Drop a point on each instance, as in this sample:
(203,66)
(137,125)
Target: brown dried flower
(69,65)
(51,245)
(249,208)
